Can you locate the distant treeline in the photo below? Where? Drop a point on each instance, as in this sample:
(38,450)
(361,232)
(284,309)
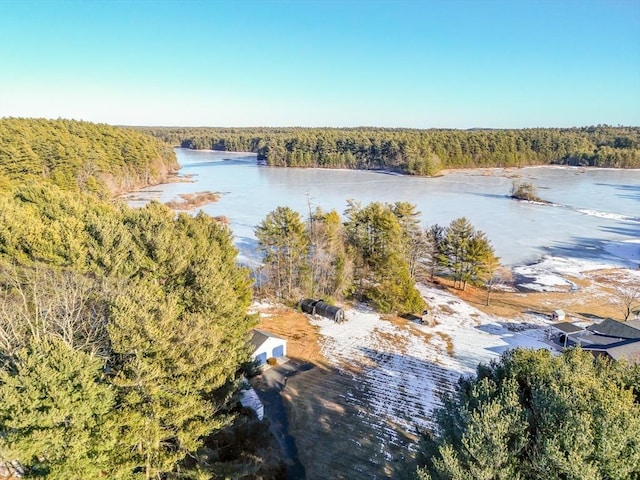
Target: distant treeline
(81,156)
(418,152)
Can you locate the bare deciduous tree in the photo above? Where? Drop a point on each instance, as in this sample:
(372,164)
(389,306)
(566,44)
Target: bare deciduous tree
(627,298)
(36,302)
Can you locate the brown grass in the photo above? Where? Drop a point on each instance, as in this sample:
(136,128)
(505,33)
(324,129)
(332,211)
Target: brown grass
(593,299)
(193,200)
(302,337)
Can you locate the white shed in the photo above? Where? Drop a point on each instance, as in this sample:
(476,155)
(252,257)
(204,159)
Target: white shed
(267,345)
(558,315)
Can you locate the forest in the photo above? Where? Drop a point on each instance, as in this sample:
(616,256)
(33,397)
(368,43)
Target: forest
(418,152)
(81,156)
(124,332)
(377,255)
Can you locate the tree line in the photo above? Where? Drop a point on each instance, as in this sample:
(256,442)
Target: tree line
(418,152)
(123,332)
(376,254)
(83,156)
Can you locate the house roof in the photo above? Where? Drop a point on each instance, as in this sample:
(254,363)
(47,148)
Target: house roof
(258,337)
(633,323)
(613,328)
(587,339)
(627,350)
(567,327)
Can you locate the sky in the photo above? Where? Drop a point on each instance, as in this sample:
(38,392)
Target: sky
(402,63)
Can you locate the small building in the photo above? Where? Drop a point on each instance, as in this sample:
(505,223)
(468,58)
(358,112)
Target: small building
(267,345)
(558,316)
(323,309)
(568,333)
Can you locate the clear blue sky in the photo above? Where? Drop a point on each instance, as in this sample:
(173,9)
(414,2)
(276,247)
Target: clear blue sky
(424,64)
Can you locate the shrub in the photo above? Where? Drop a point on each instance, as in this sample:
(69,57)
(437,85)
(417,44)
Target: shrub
(524,191)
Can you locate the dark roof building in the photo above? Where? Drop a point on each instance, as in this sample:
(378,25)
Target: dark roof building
(567,327)
(613,328)
(625,350)
(318,307)
(609,338)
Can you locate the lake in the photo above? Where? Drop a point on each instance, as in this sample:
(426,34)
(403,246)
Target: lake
(595,216)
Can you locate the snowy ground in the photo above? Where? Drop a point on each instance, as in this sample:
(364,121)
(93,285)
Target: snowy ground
(549,274)
(403,367)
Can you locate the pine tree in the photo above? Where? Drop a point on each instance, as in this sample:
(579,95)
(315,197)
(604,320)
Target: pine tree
(376,236)
(283,240)
(537,416)
(178,342)
(56,413)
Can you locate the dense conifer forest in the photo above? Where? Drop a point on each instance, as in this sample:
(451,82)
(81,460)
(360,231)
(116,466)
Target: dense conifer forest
(81,156)
(418,152)
(122,331)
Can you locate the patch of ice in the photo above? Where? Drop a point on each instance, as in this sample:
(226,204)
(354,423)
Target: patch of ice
(628,250)
(550,273)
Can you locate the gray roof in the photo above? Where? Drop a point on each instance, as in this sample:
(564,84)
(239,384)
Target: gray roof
(627,350)
(633,323)
(258,337)
(327,308)
(587,338)
(567,327)
(613,328)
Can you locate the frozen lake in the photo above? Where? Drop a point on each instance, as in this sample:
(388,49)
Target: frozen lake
(596,215)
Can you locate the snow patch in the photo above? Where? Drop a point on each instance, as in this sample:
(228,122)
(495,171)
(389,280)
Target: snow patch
(403,368)
(608,215)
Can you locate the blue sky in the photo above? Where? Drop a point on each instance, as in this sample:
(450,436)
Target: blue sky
(423,64)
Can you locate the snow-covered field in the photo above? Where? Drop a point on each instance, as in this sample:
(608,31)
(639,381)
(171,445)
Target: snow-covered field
(402,367)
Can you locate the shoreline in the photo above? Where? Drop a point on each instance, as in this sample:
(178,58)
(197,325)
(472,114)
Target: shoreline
(608,255)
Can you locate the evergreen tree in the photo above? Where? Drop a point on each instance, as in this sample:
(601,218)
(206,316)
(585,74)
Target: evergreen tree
(435,242)
(283,240)
(376,236)
(467,254)
(57,413)
(455,248)
(537,416)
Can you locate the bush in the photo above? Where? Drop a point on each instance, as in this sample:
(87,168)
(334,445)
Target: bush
(524,191)
(272,361)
